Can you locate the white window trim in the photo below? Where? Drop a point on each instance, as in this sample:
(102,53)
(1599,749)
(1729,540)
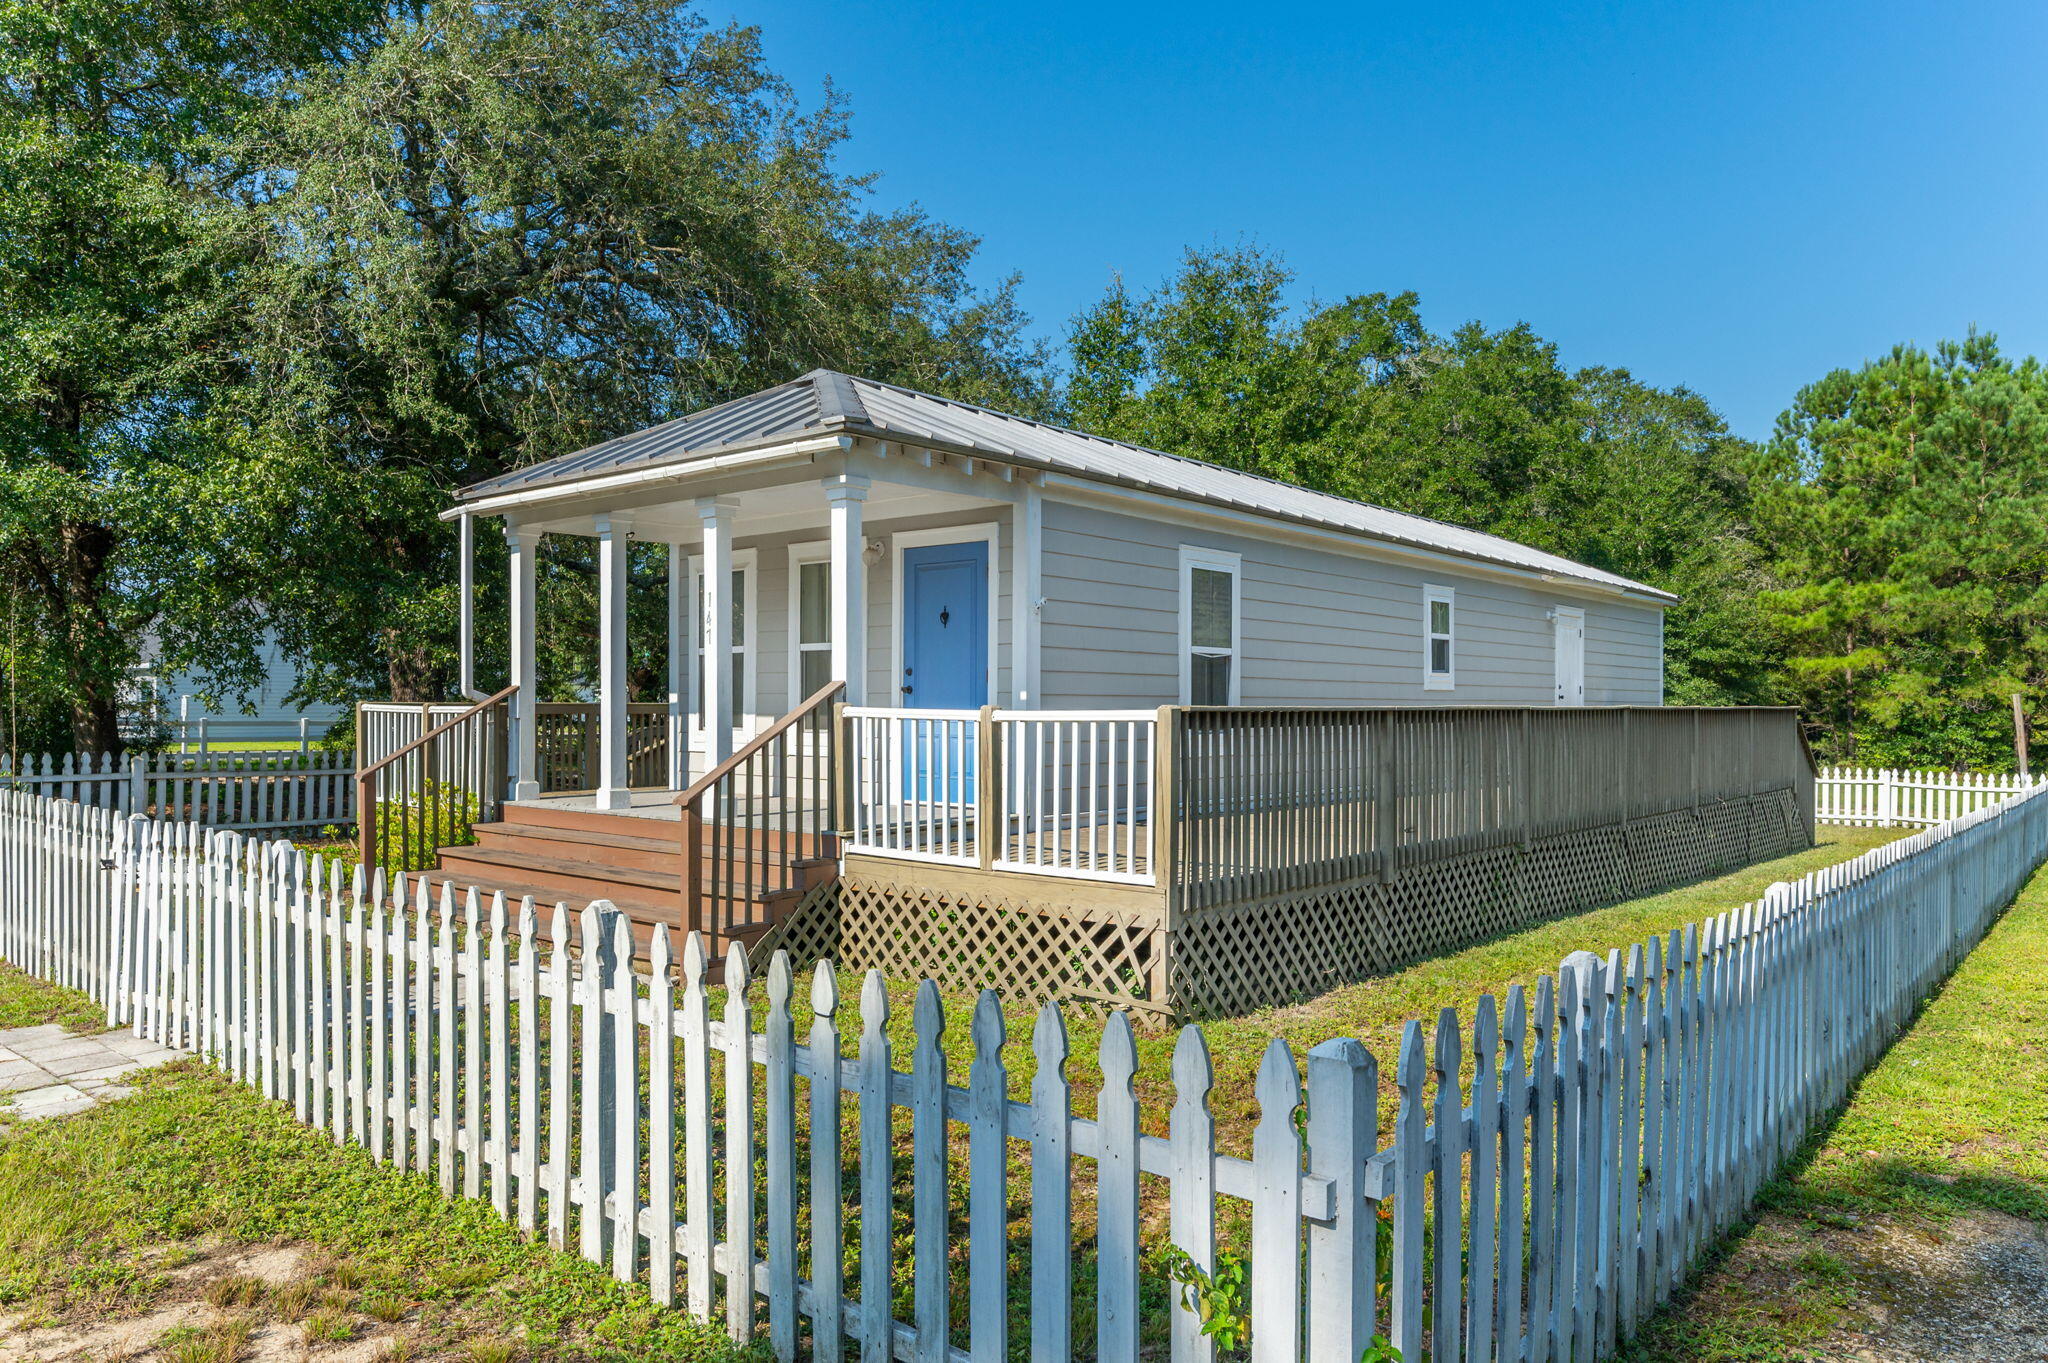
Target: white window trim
(1194,556)
(987,532)
(807,551)
(745,707)
(1433,680)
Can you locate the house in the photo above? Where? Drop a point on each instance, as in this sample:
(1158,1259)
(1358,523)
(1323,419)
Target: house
(174,703)
(918,648)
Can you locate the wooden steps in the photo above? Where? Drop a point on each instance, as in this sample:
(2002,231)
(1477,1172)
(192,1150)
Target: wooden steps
(573,856)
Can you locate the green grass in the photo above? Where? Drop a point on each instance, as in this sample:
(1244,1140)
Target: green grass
(26,1001)
(1953,1121)
(96,1210)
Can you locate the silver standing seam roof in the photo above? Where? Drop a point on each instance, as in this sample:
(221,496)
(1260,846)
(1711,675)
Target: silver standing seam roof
(824,402)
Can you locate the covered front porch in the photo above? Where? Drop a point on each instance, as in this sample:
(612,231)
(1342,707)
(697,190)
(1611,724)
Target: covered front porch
(896,573)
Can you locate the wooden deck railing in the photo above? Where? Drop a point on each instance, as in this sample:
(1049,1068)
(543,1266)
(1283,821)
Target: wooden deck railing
(431,791)
(1267,801)
(754,822)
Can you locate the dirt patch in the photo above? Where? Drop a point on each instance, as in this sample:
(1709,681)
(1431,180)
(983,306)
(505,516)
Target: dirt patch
(1972,1290)
(1969,1289)
(185,1310)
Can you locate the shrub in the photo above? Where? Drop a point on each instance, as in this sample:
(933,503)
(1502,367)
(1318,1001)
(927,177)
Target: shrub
(439,814)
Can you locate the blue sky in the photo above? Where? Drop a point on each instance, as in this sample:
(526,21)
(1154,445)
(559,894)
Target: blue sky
(1736,197)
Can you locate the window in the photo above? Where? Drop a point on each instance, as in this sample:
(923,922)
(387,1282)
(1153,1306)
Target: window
(1209,627)
(1439,635)
(740,673)
(813,626)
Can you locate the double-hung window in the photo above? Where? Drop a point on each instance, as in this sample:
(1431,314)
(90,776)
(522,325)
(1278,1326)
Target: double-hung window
(1209,626)
(1439,638)
(810,575)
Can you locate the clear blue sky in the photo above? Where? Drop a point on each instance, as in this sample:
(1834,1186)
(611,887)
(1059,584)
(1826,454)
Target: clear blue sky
(1736,197)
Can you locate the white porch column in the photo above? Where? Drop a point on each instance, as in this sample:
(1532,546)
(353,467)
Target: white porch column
(715,677)
(1027,522)
(465,591)
(844,494)
(679,641)
(521,740)
(614,531)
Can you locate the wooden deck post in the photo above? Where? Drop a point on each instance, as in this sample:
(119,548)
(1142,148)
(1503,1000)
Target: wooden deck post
(1386,796)
(1165,814)
(988,805)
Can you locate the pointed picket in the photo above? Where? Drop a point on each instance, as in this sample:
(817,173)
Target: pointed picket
(697,1190)
(988,1213)
(1191,1192)
(1051,1182)
(740,1227)
(661,1119)
(621,994)
(828,1224)
(1411,1169)
(1116,1190)
(877,1253)
(1481,1275)
(525,1163)
(779,1127)
(1447,1220)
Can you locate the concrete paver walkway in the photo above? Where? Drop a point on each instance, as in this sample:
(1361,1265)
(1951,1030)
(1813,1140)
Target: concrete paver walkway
(49,1072)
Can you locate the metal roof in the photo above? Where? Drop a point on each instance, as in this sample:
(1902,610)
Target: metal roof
(825,402)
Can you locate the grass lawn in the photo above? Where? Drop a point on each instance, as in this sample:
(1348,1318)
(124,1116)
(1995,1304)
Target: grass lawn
(26,1001)
(1915,1225)
(206,1215)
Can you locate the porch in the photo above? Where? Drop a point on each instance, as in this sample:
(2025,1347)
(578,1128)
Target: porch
(1183,859)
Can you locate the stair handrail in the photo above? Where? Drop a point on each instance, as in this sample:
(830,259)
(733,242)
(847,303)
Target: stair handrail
(757,742)
(689,804)
(366,806)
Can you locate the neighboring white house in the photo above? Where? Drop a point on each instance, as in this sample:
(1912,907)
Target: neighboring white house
(941,555)
(174,702)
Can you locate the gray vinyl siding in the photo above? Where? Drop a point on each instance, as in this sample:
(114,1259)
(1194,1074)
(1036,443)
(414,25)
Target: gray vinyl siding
(1318,628)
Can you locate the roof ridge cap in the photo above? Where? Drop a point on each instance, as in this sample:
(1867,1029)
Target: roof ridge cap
(838,402)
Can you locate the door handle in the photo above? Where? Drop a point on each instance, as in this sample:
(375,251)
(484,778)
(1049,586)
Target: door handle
(904,689)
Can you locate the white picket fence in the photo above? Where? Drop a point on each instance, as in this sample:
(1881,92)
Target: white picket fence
(1618,1118)
(1881,798)
(250,791)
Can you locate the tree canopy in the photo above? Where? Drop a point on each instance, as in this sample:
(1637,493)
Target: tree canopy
(1483,428)
(1905,508)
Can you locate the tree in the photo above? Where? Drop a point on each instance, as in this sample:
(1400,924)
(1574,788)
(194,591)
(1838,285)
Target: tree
(1482,428)
(509,231)
(111,116)
(1905,508)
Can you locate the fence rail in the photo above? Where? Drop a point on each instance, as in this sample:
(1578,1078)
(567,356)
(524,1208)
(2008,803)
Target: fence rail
(1613,1120)
(1884,798)
(250,791)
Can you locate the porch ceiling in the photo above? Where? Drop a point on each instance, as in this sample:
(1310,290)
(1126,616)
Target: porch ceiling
(660,515)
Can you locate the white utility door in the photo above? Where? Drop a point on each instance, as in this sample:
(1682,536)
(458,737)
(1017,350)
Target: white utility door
(1569,625)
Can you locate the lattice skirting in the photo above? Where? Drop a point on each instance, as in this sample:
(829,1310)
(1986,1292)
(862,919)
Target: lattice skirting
(1244,956)
(1029,952)
(1240,957)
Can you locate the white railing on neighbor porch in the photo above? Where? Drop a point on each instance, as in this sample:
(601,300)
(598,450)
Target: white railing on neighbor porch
(1872,797)
(1539,1203)
(248,791)
(1051,792)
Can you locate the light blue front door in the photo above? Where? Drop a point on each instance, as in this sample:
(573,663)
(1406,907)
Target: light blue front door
(945,657)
